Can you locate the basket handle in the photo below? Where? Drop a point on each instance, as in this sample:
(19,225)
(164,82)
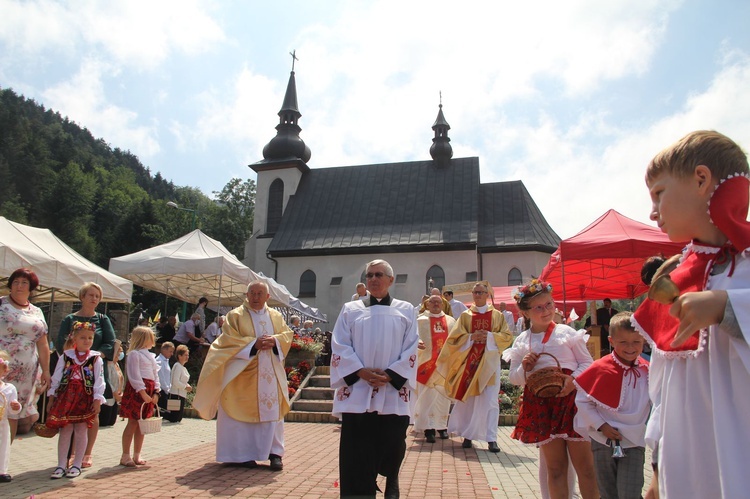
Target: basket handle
(158,414)
(540,354)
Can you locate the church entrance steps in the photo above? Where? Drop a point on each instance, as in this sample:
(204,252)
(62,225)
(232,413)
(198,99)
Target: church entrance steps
(313,401)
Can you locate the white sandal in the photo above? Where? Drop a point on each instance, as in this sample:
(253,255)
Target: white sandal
(73,472)
(58,473)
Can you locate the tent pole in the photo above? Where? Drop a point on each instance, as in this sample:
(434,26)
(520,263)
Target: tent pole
(565,296)
(218,305)
(51,310)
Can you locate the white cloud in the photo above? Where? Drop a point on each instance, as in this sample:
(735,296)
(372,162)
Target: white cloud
(83,99)
(137,33)
(587,182)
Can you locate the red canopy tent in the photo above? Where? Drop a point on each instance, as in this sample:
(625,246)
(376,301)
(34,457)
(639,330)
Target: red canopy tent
(604,260)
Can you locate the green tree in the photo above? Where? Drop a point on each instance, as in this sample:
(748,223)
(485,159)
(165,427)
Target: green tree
(232,222)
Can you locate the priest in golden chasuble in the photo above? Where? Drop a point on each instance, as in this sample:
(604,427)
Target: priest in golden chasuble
(433,406)
(243,381)
(470,362)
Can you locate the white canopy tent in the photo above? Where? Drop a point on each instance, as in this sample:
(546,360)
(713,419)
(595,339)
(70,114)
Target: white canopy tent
(61,270)
(195,265)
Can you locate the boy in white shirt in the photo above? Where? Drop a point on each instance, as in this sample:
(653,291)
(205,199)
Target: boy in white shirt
(613,406)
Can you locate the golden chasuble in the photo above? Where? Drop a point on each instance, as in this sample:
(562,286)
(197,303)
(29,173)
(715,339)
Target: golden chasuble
(453,362)
(234,382)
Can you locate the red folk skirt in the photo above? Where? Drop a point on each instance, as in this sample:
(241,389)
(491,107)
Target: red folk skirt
(543,419)
(130,405)
(72,405)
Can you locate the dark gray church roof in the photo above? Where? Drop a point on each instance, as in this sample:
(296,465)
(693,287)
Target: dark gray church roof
(408,206)
(509,220)
(382,208)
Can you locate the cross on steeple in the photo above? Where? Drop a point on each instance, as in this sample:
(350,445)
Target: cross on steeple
(294,57)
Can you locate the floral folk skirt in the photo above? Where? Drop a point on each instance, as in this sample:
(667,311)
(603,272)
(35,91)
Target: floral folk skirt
(542,419)
(72,405)
(130,406)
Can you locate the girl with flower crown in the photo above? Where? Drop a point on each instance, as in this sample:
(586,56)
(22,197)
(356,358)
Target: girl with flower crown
(547,422)
(76,395)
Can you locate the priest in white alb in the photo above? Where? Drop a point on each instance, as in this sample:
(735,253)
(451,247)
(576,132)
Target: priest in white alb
(433,406)
(243,379)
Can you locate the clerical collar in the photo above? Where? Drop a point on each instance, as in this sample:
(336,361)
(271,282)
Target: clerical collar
(384,301)
(258,312)
(481,309)
(430,314)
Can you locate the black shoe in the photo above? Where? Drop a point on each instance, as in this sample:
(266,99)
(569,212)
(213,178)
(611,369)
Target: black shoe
(246,464)
(391,487)
(429,435)
(492,447)
(276,464)
(466,444)
(5,478)
(443,434)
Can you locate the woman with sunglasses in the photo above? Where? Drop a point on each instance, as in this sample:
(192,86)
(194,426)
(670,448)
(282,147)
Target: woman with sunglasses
(547,422)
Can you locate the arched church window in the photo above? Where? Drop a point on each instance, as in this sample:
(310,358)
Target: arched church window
(275,205)
(307,283)
(435,278)
(514,277)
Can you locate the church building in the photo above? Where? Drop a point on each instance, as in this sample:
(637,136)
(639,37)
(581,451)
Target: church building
(315,229)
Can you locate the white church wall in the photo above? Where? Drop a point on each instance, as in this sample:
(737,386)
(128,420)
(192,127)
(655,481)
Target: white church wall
(496,266)
(329,299)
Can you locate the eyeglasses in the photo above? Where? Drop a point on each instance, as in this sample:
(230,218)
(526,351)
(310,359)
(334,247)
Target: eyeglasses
(479,292)
(541,308)
(371,275)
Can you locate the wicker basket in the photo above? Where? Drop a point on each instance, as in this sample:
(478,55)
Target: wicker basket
(40,427)
(547,381)
(152,424)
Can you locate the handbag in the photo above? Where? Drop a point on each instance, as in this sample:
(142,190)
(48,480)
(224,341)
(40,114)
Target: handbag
(174,404)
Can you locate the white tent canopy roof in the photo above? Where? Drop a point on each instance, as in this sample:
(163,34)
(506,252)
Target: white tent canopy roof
(57,265)
(195,265)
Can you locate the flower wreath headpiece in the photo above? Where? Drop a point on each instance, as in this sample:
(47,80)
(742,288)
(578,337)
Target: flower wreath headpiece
(536,286)
(83,325)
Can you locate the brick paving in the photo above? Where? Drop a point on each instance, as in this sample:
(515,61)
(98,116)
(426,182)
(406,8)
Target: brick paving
(181,464)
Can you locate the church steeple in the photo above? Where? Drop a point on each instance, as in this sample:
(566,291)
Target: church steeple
(287,143)
(441,150)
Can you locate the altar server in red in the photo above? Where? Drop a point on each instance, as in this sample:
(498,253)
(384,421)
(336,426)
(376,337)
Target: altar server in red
(700,363)
(613,407)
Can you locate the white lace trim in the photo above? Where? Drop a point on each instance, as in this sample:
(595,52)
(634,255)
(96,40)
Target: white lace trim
(670,354)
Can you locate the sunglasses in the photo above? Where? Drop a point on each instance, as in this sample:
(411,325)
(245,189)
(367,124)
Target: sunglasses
(371,275)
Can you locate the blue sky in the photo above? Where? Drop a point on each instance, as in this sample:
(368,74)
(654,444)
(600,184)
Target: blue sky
(573,98)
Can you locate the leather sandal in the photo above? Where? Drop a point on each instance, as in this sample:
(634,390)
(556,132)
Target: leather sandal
(127,461)
(87,461)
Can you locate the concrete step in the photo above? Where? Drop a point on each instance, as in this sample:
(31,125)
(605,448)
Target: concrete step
(313,405)
(310,417)
(320,381)
(317,393)
(323,370)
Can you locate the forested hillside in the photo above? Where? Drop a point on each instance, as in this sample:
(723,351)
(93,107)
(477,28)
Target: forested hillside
(100,199)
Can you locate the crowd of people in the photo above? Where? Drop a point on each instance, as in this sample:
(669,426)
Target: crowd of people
(437,365)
